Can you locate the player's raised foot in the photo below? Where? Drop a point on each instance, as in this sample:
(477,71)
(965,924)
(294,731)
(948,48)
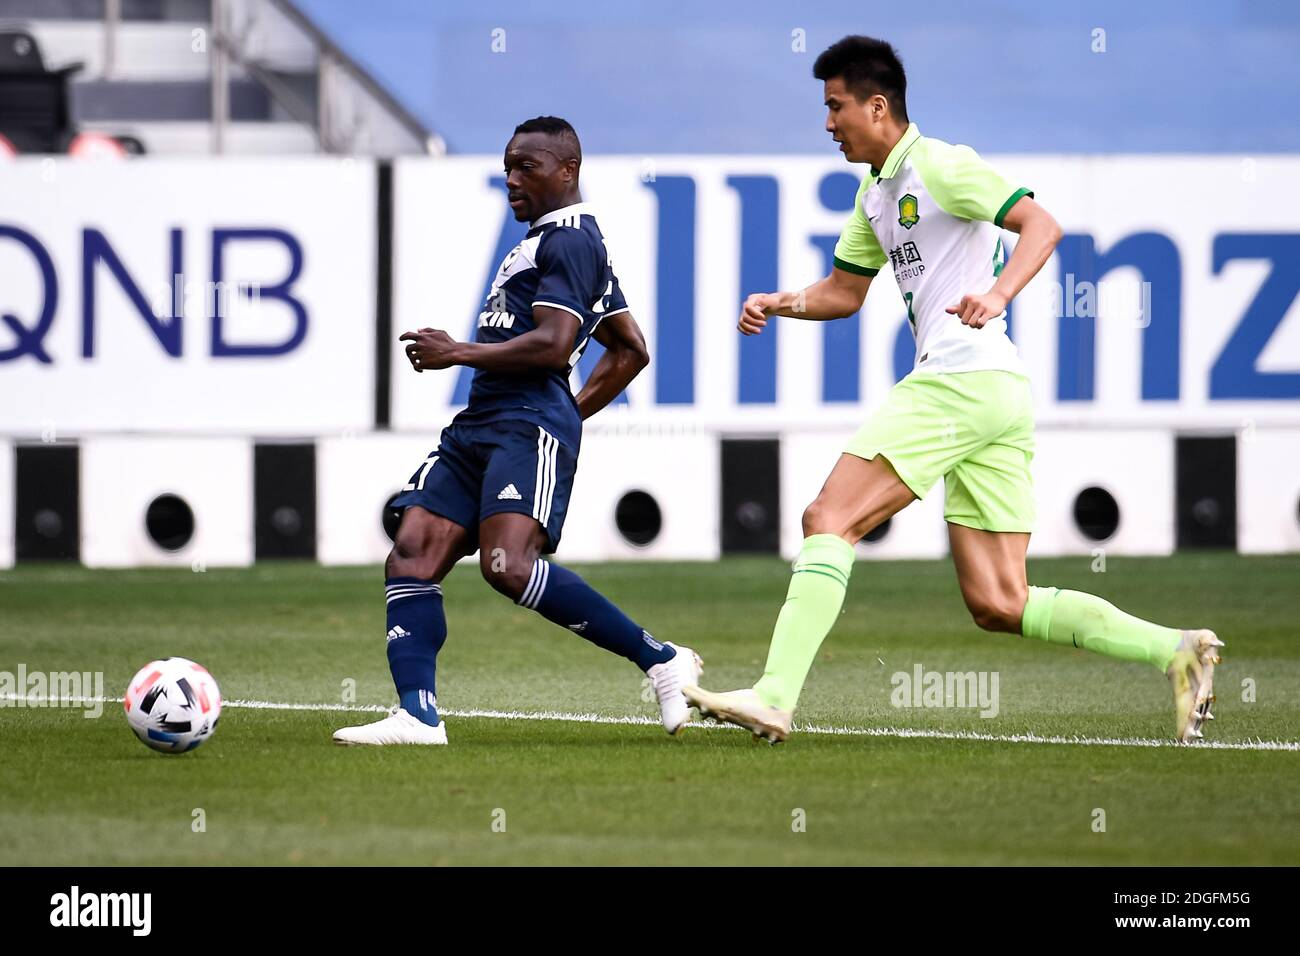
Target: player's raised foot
(669,679)
(744,708)
(398,727)
(1191,674)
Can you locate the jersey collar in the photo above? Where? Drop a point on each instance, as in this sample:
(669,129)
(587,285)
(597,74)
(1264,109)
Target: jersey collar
(555,215)
(898,153)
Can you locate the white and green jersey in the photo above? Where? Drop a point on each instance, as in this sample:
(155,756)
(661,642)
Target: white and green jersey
(934,212)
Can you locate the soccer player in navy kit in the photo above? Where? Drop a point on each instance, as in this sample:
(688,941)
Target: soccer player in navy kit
(500,477)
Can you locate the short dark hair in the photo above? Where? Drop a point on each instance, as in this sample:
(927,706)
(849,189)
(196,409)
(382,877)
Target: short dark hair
(553,126)
(868,66)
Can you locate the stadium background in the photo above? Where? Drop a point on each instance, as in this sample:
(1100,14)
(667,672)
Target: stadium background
(346,160)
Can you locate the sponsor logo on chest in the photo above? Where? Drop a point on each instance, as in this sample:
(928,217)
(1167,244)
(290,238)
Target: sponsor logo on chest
(496,320)
(906,260)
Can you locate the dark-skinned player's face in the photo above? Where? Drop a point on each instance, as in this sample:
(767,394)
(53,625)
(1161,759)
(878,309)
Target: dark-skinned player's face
(540,177)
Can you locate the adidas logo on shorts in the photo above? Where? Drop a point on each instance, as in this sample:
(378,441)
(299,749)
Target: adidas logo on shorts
(509,493)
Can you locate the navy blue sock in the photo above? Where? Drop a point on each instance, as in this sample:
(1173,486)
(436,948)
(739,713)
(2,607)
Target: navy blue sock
(563,598)
(417,629)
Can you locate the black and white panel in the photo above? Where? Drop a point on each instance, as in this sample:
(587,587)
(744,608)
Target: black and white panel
(284,500)
(1268,490)
(648,497)
(167,501)
(1111,490)
(356,477)
(46,496)
(751,496)
(1205,496)
(161,501)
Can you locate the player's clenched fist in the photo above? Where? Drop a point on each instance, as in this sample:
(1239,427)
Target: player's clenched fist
(429,348)
(755,311)
(975,310)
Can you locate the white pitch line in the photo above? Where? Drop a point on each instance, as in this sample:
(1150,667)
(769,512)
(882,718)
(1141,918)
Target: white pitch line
(899,733)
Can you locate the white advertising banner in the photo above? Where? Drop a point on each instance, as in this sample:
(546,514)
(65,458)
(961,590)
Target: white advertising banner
(204,296)
(1170,302)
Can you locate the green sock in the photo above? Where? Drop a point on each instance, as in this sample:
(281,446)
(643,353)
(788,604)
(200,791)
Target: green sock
(821,575)
(1076,619)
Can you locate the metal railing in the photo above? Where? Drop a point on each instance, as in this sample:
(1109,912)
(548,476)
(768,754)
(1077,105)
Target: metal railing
(352,114)
(346,109)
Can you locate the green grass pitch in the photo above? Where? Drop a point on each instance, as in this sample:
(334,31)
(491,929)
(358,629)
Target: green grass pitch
(274,789)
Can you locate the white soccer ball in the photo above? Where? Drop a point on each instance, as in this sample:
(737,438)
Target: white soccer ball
(173,705)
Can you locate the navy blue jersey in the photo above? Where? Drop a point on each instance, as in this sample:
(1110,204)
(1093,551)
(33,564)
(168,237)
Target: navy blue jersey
(562,263)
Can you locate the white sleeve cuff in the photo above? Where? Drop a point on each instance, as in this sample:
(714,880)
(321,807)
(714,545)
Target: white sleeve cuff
(563,308)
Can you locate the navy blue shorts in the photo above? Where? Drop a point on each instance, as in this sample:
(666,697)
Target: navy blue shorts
(481,470)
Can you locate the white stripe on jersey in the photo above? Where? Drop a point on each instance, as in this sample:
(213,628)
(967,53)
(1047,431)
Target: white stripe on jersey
(541,471)
(550,483)
(556,305)
(544,492)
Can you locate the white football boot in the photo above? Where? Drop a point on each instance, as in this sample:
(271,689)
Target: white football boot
(668,679)
(744,708)
(398,727)
(1191,674)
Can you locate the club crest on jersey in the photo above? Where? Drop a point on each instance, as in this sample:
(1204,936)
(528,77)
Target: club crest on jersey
(909,213)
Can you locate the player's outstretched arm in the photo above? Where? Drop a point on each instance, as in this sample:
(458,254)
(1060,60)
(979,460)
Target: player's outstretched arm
(625,356)
(837,296)
(546,347)
(1039,233)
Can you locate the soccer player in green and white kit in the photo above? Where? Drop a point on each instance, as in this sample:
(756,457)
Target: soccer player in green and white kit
(934,212)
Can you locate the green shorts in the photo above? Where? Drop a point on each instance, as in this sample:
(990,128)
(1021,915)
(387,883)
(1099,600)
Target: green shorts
(975,429)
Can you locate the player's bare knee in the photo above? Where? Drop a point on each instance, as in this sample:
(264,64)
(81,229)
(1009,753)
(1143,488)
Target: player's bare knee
(1000,614)
(409,559)
(407,547)
(506,571)
(984,616)
(816,519)
(416,566)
